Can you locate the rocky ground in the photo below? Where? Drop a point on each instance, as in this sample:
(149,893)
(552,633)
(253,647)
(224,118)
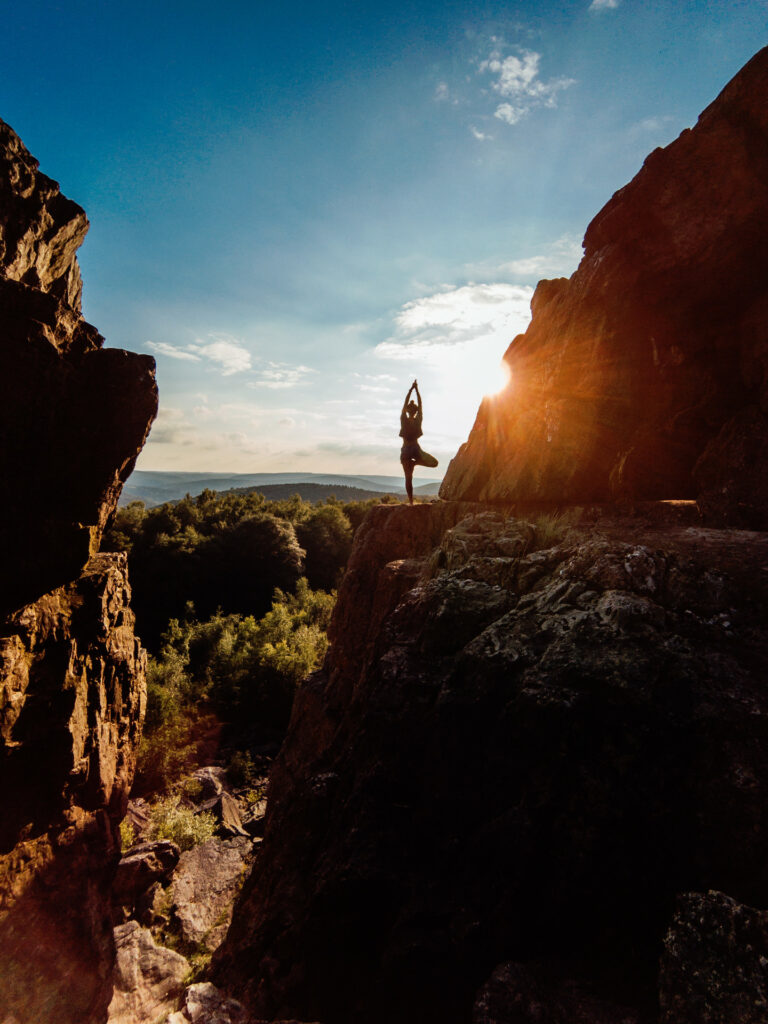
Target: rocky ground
(172,906)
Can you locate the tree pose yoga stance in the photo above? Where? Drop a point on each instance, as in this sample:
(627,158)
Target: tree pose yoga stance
(410,430)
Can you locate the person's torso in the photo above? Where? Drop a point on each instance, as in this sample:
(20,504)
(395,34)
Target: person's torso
(410,427)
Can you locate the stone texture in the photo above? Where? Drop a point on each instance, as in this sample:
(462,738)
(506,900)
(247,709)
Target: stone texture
(148,980)
(204,887)
(715,963)
(73,415)
(521,746)
(72,702)
(645,375)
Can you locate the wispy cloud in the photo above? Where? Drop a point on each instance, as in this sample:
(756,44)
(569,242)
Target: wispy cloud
(278,376)
(442,92)
(604,5)
(426,327)
(517,80)
(480,136)
(559,258)
(171,427)
(163,348)
(228,354)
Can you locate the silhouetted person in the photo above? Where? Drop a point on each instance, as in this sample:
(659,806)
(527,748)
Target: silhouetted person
(410,430)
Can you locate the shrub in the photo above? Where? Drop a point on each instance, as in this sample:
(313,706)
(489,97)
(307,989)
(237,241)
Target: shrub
(127,835)
(551,527)
(169,820)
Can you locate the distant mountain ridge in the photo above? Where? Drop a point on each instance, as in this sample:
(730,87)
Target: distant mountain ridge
(155,487)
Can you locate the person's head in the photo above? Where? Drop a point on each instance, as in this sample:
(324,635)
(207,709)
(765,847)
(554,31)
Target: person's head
(412,408)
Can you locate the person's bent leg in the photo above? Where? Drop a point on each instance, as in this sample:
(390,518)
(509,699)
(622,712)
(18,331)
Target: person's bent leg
(425,459)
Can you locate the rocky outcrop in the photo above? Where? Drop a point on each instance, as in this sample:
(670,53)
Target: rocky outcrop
(71,708)
(645,375)
(73,415)
(527,738)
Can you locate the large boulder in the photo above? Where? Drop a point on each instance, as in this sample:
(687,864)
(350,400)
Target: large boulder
(149,979)
(645,375)
(522,745)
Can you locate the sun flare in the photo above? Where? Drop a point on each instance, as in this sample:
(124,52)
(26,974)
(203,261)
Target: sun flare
(501,376)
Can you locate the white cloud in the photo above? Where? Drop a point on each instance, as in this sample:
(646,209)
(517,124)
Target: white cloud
(604,5)
(163,348)
(517,79)
(230,356)
(426,327)
(480,136)
(277,376)
(509,114)
(441,91)
(226,353)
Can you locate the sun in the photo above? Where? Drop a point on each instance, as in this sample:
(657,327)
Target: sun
(501,377)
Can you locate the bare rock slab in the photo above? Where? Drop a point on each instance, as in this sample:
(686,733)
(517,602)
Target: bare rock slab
(205,886)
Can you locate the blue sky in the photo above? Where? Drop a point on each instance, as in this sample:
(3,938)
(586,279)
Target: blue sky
(299,208)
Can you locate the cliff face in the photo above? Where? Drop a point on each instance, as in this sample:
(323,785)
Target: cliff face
(73,418)
(73,415)
(645,375)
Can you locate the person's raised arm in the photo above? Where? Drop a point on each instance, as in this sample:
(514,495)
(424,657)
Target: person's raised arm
(418,395)
(407,398)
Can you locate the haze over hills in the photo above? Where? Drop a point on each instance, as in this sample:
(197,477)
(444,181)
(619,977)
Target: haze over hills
(154,488)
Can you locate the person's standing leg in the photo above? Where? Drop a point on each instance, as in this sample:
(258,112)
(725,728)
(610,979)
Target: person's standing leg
(408,465)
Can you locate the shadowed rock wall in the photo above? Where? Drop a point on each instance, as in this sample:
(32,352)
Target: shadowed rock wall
(73,418)
(645,375)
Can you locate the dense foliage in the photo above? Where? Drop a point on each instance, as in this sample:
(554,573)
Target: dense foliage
(233,595)
(228,552)
(232,668)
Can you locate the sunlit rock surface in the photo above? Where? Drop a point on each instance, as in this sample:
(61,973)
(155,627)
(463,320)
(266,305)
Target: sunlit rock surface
(73,418)
(73,415)
(526,740)
(645,375)
(71,706)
